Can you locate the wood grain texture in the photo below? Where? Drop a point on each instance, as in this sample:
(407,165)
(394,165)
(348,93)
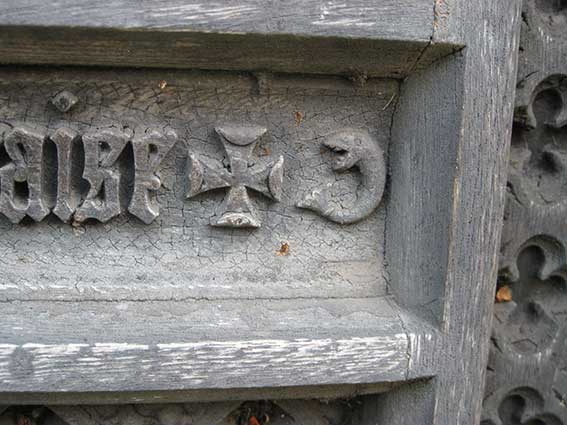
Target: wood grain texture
(398,19)
(383,38)
(180,256)
(527,368)
(323,392)
(447,171)
(448,162)
(184,346)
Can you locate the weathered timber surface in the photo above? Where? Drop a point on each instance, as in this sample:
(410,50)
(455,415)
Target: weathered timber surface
(448,163)
(215,345)
(356,18)
(384,38)
(179,255)
(527,368)
(269,313)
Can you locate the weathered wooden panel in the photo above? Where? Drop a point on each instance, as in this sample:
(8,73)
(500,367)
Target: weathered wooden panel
(357,39)
(132,253)
(527,370)
(448,161)
(399,19)
(210,236)
(184,346)
(178,255)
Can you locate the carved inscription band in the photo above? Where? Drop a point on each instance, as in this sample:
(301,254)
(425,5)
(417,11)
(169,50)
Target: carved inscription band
(22,179)
(23,173)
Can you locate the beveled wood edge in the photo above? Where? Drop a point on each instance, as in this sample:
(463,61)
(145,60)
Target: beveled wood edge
(384,19)
(354,57)
(392,350)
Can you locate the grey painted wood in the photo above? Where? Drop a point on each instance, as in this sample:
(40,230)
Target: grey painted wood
(360,38)
(443,207)
(397,19)
(448,163)
(179,256)
(323,392)
(186,346)
(527,367)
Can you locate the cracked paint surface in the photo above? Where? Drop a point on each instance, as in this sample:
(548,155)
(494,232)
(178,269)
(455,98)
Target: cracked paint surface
(179,256)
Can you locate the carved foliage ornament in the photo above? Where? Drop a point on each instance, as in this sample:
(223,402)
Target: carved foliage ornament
(23,174)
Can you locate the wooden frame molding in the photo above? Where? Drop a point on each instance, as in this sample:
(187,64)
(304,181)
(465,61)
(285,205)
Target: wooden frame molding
(401,109)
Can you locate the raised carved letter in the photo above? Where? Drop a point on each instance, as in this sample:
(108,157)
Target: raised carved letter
(150,148)
(68,196)
(21,180)
(237,209)
(102,149)
(353,148)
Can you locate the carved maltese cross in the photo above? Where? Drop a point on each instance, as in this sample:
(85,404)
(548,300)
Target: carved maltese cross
(242,173)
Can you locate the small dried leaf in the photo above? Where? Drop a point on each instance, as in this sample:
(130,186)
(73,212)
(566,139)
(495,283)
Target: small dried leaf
(504,294)
(284,249)
(298,118)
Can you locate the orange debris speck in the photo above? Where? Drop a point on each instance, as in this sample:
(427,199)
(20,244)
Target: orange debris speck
(504,294)
(284,249)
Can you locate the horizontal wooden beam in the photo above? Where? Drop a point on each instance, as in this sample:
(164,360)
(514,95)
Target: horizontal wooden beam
(384,19)
(374,39)
(102,347)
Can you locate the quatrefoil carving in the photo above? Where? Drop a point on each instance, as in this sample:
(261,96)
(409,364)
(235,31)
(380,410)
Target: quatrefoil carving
(537,281)
(538,158)
(523,406)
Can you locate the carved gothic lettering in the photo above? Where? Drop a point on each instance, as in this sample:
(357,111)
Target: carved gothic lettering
(150,148)
(21,179)
(102,149)
(68,196)
(110,175)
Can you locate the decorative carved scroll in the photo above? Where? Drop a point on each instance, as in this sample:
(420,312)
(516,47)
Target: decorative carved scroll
(240,174)
(353,148)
